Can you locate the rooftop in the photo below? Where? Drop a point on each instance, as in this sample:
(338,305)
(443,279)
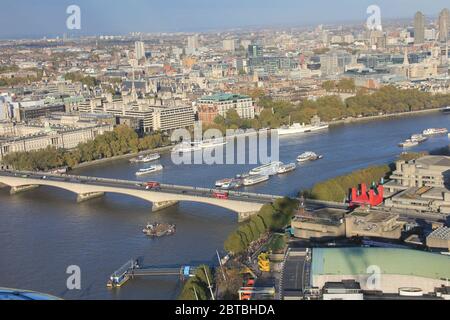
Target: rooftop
(441,233)
(224,97)
(353,261)
(441,161)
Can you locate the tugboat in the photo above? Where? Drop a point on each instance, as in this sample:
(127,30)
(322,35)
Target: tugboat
(159,230)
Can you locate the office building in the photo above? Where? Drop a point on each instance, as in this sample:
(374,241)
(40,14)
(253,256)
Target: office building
(139,49)
(230,45)
(172,118)
(193,45)
(60,137)
(209,107)
(439,239)
(444,25)
(255,51)
(420,185)
(399,269)
(419,28)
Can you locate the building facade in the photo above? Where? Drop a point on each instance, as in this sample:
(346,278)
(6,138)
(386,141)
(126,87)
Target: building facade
(67,138)
(209,107)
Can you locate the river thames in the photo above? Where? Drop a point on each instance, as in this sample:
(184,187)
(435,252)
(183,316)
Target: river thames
(44,231)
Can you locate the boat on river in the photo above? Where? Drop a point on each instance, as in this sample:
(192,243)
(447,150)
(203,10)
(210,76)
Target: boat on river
(297,128)
(269,169)
(147,158)
(287,168)
(308,156)
(159,229)
(255,179)
(149,170)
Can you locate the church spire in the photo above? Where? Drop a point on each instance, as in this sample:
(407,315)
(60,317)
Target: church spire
(406,59)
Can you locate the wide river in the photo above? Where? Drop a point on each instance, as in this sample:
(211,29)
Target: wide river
(44,231)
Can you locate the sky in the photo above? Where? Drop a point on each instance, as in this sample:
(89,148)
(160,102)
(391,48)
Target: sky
(36,18)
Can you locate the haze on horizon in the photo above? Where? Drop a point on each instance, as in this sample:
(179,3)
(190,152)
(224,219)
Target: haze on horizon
(28,18)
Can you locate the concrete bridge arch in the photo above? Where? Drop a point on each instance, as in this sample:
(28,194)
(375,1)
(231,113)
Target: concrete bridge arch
(159,199)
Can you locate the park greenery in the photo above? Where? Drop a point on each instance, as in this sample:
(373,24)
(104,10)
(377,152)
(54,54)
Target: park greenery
(197,286)
(387,100)
(122,140)
(277,243)
(18,80)
(271,217)
(343,85)
(337,189)
(87,81)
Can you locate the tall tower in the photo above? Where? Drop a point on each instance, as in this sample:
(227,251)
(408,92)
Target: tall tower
(405,58)
(139,49)
(406,67)
(193,44)
(419,28)
(444,25)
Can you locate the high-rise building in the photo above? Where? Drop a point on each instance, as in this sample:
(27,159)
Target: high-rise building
(419,28)
(444,25)
(230,45)
(139,49)
(193,44)
(255,51)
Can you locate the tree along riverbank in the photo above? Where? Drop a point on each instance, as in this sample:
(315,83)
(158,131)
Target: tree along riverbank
(384,103)
(337,189)
(121,142)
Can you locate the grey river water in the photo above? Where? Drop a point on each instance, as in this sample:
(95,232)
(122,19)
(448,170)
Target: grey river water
(44,231)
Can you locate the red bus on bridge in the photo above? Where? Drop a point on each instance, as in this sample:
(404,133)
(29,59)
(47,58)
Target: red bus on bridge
(221,195)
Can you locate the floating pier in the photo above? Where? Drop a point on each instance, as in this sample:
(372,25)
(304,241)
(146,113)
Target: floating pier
(131,270)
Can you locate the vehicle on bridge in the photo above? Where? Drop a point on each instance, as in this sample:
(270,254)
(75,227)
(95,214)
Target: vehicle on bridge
(221,195)
(153,185)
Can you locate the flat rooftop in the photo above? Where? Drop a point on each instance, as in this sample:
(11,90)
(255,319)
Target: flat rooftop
(441,234)
(355,261)
(441,161)
(218,97)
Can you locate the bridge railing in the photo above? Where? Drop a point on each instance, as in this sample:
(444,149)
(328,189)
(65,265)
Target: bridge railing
(133,183)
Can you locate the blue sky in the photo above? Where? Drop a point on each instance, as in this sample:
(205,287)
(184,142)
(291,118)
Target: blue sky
(48,17)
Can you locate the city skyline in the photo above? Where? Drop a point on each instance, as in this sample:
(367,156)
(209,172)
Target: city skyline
(48,17)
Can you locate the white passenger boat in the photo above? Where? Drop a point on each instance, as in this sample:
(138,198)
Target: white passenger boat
(309,156)
(145,159)
(149,170)
(255,179)
(446,109)
(232,184)
(435,131)
(287,168)
(186,147)
(269,169)
(408,144)
(297,128)
(418,138)
(213,143)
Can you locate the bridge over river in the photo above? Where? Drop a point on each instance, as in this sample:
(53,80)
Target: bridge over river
(86,188)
